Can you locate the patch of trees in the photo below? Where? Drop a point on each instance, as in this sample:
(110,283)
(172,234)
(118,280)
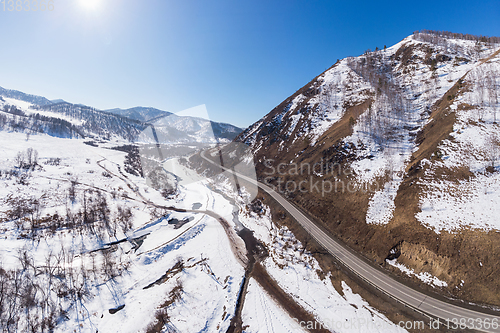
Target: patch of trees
(96,216)
(54,161)
(37,295)
(492,150)
(93,215)
(26,303)
(34,296)
(132,162)
(436,36)
(485,87)
(162,181)
(25,210)
(13,110)
(443,39)
(3,120)
(55,126)
(92,122)
(24,163)
(387,113)
(96,122)
(124,218)
(27,160)
(162,318)
(20,121)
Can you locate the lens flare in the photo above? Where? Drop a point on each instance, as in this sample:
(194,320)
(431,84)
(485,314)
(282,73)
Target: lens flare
(90,4)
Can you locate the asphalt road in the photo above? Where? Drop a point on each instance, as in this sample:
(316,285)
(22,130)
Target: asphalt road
(451,317)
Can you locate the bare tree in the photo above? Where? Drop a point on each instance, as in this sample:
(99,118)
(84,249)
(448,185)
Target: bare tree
(72,191)
(35,158)
(124,218)
(108,264)
(492,149)
(19,160)
(34,211)
(491,78)
(29,156)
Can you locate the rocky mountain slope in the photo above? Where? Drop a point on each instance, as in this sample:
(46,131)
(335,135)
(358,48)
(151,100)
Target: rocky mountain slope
(395,152)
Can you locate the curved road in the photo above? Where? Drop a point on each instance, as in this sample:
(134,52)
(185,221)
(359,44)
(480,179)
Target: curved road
(451,317)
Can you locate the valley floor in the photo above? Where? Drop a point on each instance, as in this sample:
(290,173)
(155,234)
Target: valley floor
(104,276)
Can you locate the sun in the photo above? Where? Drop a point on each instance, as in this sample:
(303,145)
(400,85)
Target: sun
(90,4)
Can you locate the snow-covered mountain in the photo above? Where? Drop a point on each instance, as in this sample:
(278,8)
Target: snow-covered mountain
(177,129)
(140,113)
(35,114)
(396,152)
(15,94)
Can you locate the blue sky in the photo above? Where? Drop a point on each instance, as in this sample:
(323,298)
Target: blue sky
(240,58)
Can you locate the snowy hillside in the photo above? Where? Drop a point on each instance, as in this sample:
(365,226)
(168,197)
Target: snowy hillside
(87,245)
(175,128)
(172,128)
(139,113)
(15,94)
(474,144)
(34,114)
(76,260)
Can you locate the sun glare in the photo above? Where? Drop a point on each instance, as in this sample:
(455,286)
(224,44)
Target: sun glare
(90,4)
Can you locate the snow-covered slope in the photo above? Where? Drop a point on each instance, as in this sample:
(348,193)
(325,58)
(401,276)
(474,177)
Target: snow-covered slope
(33,99)
(85,245)
(449,202)
(175,129)
(395,147)
(139,113)
(68,247)
(27,113)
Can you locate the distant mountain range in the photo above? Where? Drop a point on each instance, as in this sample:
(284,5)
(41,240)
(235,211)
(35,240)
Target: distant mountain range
(25,112)
(140,113)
